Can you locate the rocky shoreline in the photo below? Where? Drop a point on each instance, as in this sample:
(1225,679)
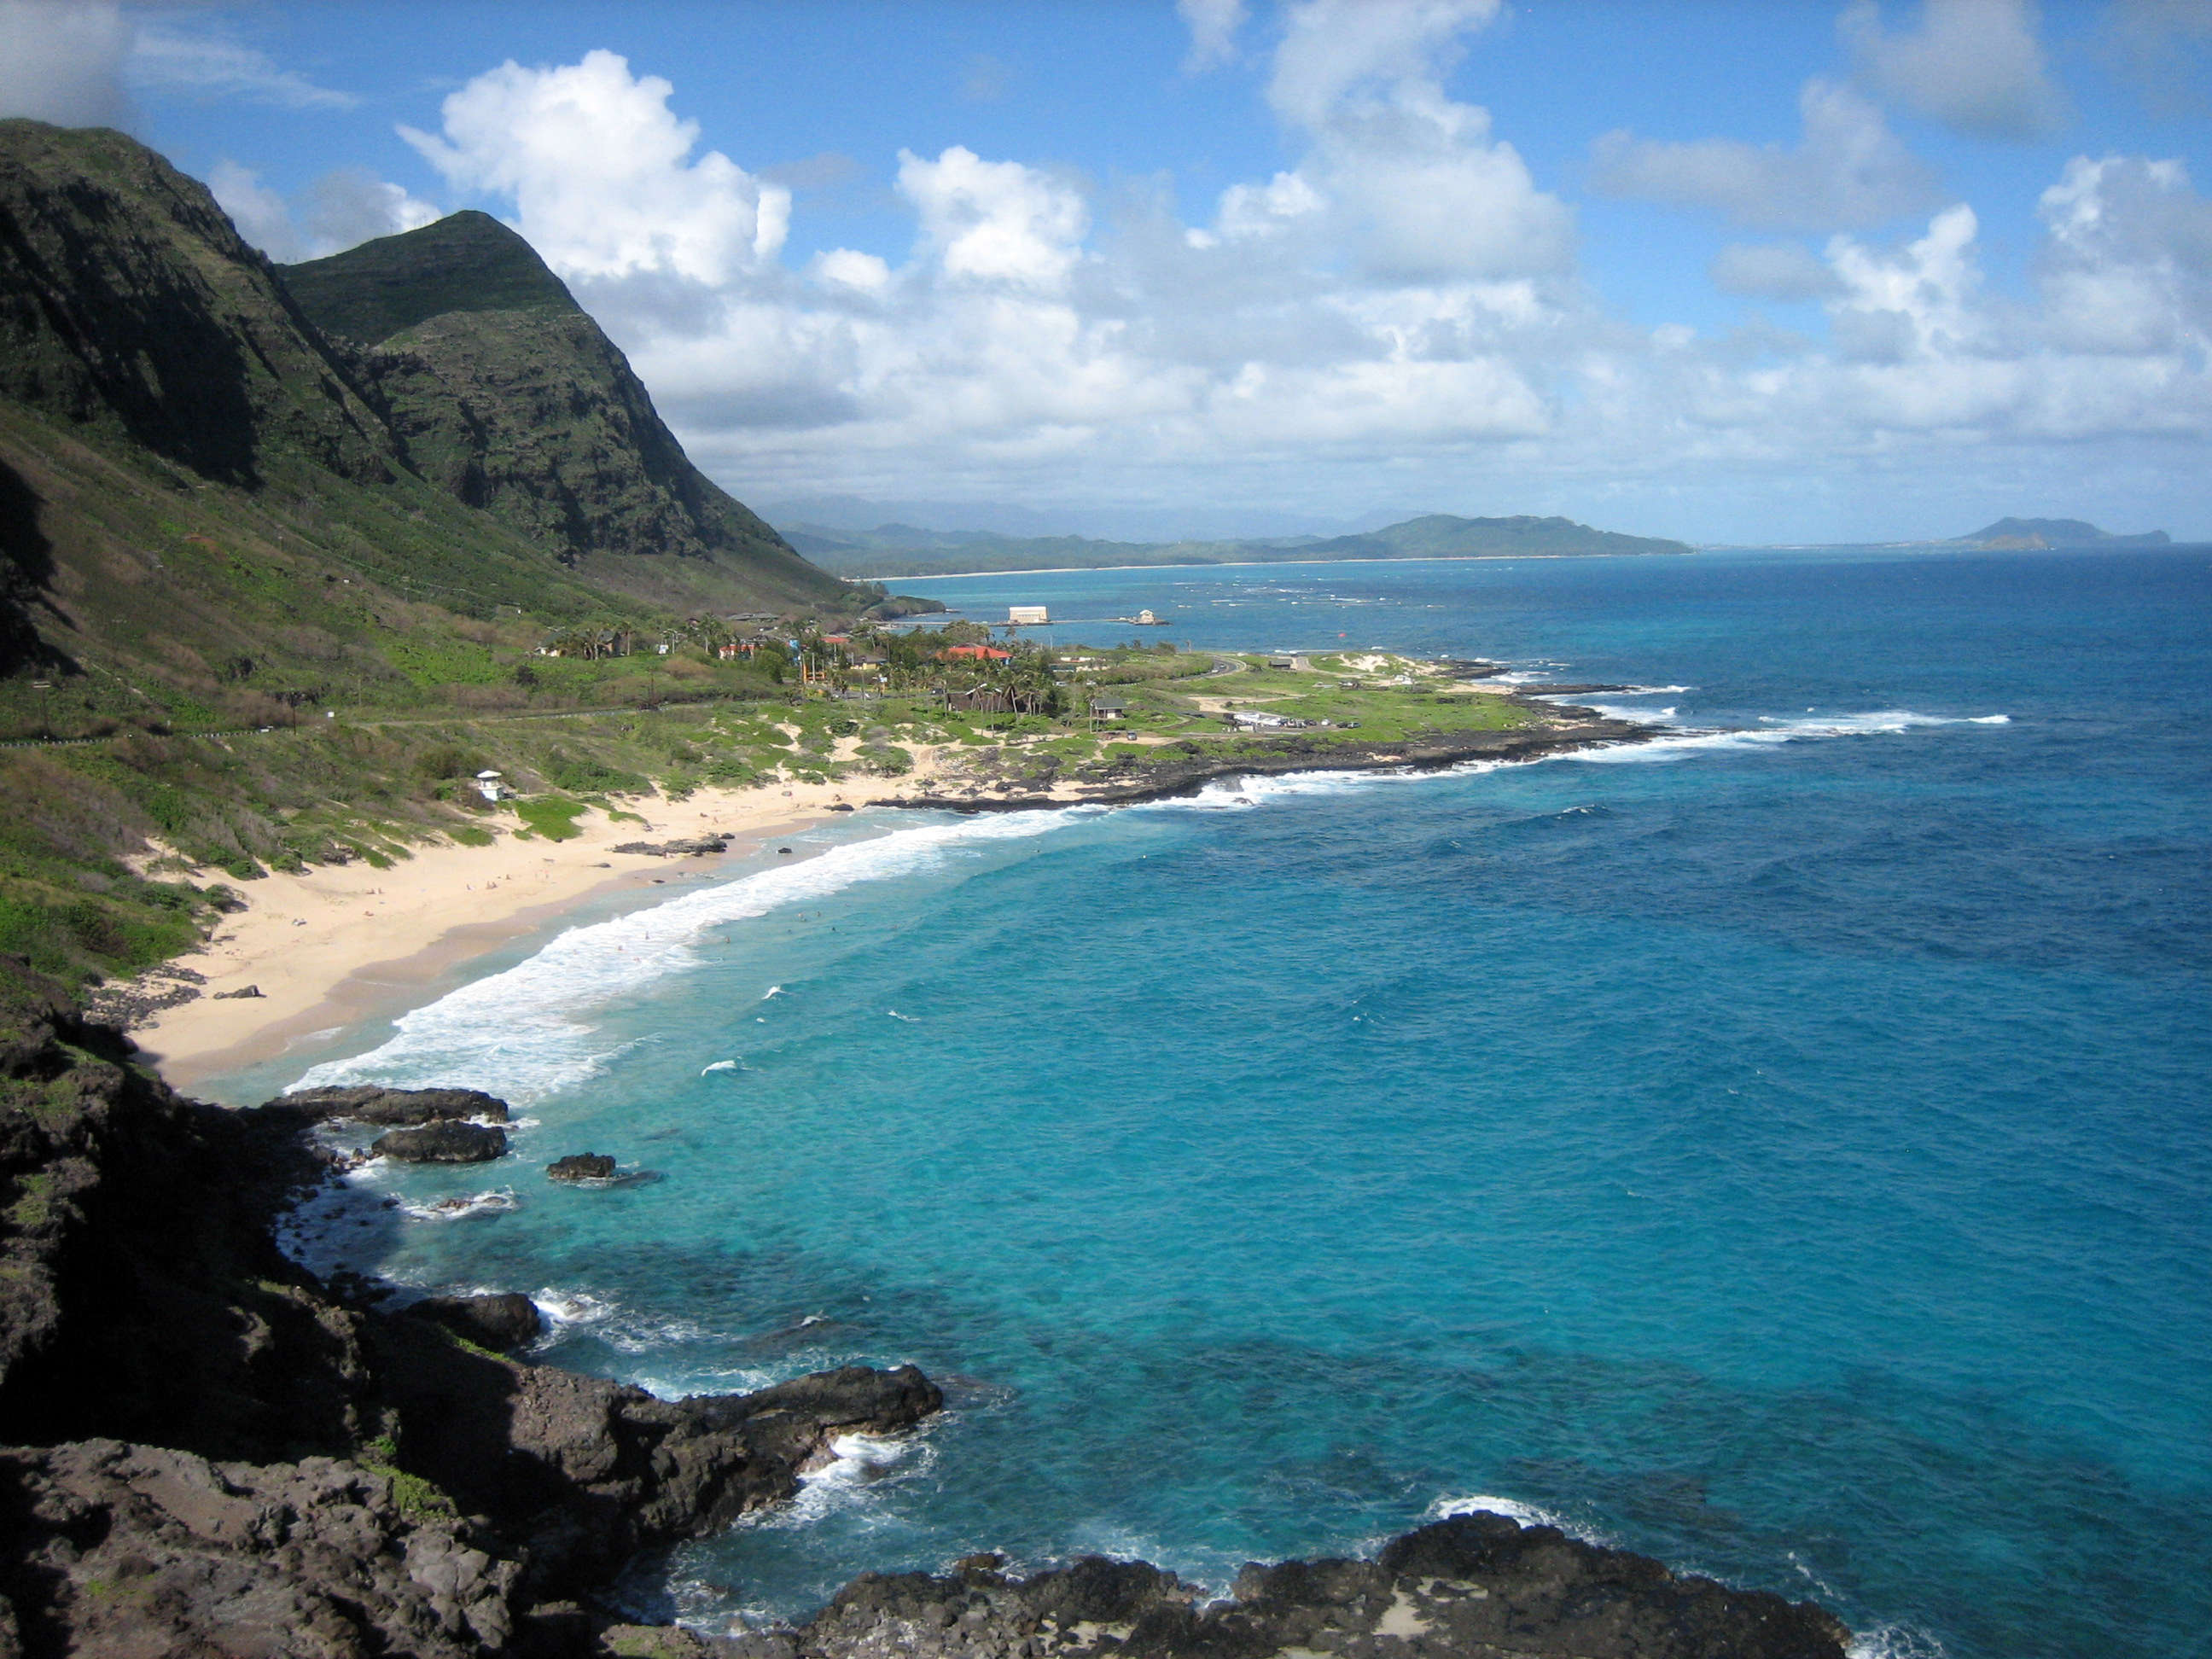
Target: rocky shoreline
(209,1452)
(1173,770)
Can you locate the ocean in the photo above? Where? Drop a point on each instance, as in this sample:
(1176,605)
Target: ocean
(1783,1148)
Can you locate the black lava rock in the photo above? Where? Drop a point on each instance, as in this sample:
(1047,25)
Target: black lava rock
(442,1143)
(581,1166)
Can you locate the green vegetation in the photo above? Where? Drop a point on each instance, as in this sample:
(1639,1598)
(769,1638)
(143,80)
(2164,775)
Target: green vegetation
(468,262)
(550,817)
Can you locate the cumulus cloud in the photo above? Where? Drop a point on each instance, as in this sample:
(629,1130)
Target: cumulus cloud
(2128,266)
(1975,65)
(335,212)
(1849,170)
(1214,24)
(1410,182)
(63,61)
(1396,311)
(600,172)
(995,221)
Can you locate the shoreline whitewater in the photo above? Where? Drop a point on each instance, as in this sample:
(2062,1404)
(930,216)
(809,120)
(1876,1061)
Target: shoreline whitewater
(337,945)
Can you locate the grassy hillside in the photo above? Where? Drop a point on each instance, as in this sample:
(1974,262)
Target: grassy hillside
(466,262)
(244,624)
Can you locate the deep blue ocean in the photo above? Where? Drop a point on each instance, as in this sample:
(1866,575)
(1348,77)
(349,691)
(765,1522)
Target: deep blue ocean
(1785,1149)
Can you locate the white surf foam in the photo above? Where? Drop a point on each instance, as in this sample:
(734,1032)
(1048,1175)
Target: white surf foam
(1895,1642)
(1775,730)
(527,1032)
(859,1464)
(466,1204)
(572,1307)
(1513,1509)
(723,1066)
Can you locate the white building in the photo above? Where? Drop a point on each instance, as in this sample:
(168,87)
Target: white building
(1027,615)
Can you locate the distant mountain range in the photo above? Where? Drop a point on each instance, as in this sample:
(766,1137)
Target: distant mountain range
(907,551)
(2025,533)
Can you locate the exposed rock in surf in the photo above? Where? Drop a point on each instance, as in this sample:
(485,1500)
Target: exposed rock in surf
(1476,1585)
(676,849)
(502,1322)
(442,1143)
(581,1166)
(582,1474)
(371,1103)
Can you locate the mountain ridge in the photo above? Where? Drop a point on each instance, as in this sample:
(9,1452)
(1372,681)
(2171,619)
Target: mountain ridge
(2028,534)
(909,551)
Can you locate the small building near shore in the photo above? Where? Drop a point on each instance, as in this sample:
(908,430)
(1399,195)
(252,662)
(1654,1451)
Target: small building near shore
(488,786)
(1108,708)
(1027,615)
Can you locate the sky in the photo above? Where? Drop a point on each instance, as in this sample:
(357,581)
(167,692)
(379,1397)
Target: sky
(1745,272)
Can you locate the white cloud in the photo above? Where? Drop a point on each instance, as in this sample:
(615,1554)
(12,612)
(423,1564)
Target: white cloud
(863,273)
(1214,24)
(1335,52)
(262,215)
(995,221)
(167,60)
(335,212)
(600,172)
(63,61)
(1915,302)
(1407,181)
(1975,65)
(1396,314)
(1849,170)
(2128,267)
(1772,270)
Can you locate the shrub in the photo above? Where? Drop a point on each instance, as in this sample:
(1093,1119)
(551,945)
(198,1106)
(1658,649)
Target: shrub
(589,776)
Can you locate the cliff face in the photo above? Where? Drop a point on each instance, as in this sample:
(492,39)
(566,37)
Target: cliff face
(132,310)
(128,300)
(500,391)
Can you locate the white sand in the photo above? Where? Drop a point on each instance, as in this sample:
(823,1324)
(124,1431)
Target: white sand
(333,944)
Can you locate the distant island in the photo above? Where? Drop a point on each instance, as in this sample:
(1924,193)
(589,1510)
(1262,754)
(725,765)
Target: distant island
(908,550)
(2028,533)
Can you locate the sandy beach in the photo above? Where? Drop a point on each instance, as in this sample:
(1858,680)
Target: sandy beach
(333,944)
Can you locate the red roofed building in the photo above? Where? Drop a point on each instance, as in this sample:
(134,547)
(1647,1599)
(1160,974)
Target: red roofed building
(979,652)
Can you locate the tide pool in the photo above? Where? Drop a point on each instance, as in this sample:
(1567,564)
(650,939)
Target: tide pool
(1784,1148)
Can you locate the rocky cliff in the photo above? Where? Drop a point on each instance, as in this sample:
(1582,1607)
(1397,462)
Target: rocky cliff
(500,390)
(208,1451)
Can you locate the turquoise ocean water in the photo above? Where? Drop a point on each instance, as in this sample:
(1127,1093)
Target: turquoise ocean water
(1784,1149)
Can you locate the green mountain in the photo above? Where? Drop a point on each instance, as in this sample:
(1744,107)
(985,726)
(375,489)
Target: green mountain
(468,262)
(499,389)
(218,516)
(911,552)
(2055,532)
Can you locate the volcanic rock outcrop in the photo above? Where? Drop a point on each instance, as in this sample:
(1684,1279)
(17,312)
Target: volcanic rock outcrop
(210,1451)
